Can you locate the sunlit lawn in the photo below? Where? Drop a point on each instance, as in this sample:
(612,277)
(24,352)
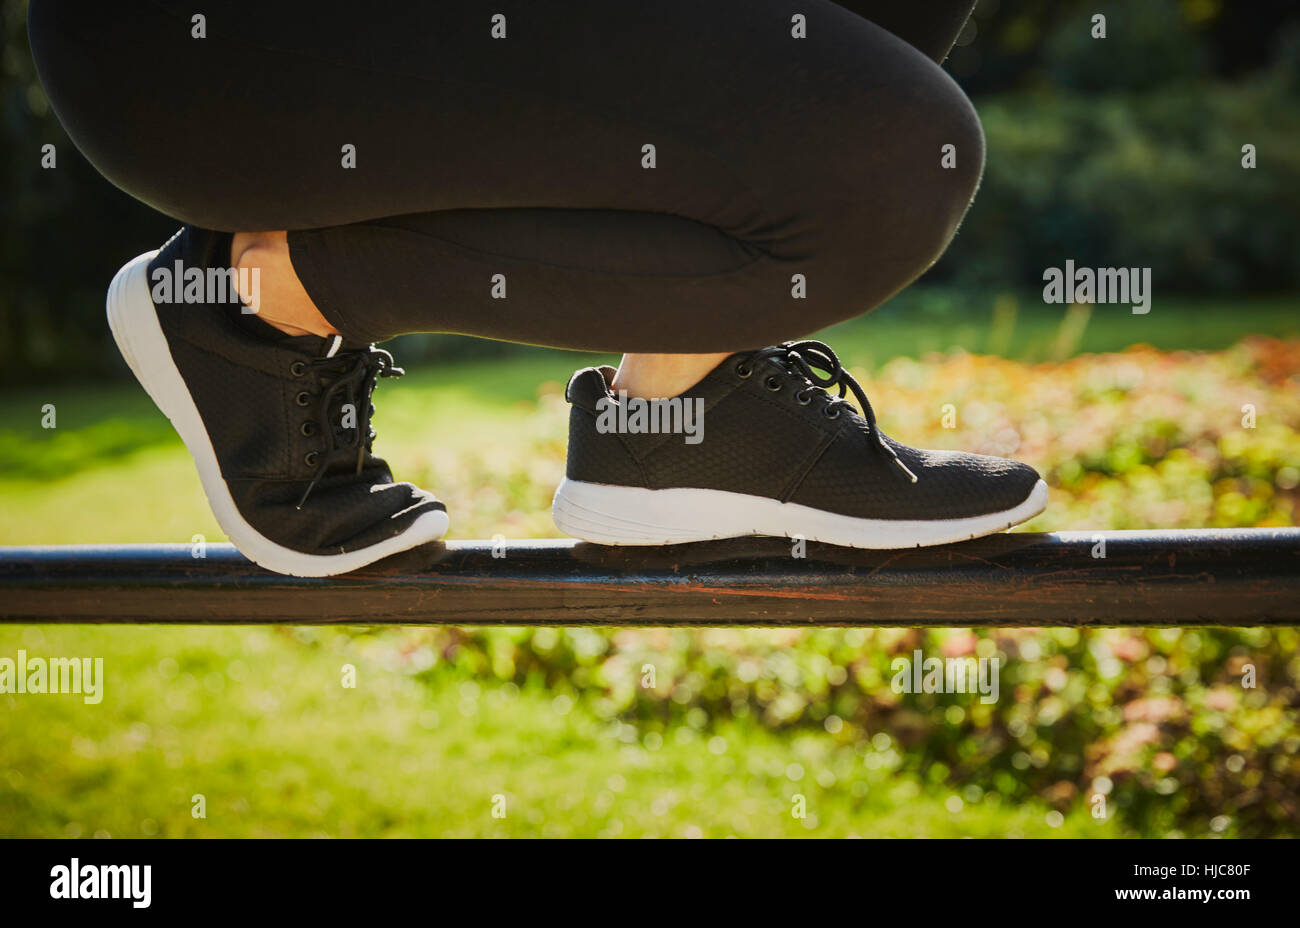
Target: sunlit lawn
(258,722)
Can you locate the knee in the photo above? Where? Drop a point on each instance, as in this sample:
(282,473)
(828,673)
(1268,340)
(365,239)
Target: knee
(956,165)
(889,204)
(937,168)
(73,49)
(912,186)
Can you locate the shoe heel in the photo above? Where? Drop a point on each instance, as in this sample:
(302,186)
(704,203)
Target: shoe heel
(614,515)
(122,302)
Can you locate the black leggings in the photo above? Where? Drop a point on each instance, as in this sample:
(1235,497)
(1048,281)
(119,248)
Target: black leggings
(502,186)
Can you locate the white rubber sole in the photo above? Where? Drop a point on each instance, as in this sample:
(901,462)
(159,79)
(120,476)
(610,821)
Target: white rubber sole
(615,515)
(134,322)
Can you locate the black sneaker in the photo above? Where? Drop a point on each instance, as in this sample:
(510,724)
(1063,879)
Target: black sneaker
(776,455)
(278,425)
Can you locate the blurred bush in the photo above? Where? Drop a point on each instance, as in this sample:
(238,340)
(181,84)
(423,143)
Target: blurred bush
(1139,180)
(1155,721)
(1159,722)
(1147,45)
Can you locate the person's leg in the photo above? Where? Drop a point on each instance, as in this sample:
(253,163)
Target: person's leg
(281,299)
(278,423)
(659,177)
(932,29)
(572,186)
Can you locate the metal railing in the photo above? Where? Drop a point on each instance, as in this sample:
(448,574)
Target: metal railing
(1200,577)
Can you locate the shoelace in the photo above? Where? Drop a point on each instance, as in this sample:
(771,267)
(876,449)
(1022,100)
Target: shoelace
(354,375)
(802,357)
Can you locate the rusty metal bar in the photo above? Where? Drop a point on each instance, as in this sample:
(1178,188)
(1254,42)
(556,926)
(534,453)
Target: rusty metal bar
(1211,577)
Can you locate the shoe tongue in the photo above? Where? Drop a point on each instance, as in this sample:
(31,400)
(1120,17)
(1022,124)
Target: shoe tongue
(776,363)
(314,346)
(334,345)
(322,346)
(330,346)
(749,354)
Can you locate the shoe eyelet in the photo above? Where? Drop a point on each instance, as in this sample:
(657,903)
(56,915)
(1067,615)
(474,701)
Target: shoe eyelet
(802,398)
(743,371)
(297,368)
(310,458)
(831,413)
(308,429)
(303,398)
(774,384)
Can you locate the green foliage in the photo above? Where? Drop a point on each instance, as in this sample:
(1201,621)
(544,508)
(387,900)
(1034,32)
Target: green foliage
(65,231)
(1147,44)
(1117,154)
(255,721)
(1158,722)
(1139,180)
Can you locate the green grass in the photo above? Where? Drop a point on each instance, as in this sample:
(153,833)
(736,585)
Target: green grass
(925,320)
(257,721)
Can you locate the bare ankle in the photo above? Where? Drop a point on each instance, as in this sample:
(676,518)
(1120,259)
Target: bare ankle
(659,376)
(269,285)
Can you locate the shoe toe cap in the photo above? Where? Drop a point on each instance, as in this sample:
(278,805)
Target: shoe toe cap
(339,516)
(976,484)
